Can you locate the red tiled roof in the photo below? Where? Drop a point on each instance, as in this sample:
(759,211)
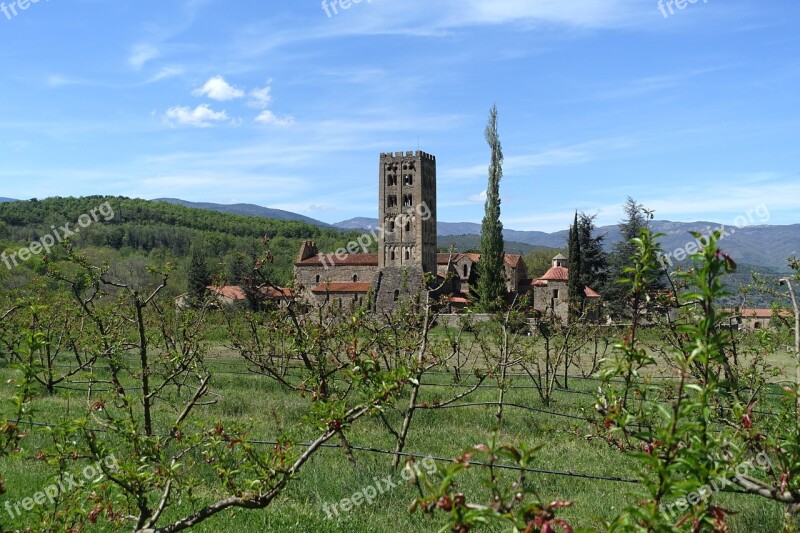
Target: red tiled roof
(443,259)
(533,283)
(349,260)
(270,292)
(512,260)
(231,292)
(236,293)
(590,293)
(343,287)
(556,274)
(762,313)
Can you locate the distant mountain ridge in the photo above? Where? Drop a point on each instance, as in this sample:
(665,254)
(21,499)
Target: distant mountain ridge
(251,210)
(4,200)
(761,245)
(757,245)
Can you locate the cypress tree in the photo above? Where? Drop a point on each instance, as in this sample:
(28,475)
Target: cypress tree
(576,271)
(199,277)
(491,268)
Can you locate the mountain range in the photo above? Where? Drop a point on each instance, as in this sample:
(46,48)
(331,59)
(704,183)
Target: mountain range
(755,245)
(762,246)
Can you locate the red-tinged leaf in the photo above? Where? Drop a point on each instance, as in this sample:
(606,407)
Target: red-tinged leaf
(466,458)
(563,523)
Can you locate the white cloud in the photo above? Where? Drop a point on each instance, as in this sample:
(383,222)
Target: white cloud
(142,53)
(200,117)
(480,197)
(166,72)
(261,98)
(268,117)
(56,80)
(218,89)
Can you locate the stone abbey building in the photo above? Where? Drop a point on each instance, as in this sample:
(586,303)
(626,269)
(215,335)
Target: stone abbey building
(407,252)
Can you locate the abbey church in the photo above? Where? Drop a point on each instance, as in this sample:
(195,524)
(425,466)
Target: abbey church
(407,252)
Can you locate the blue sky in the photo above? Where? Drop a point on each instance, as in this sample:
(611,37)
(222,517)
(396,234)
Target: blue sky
(694,114)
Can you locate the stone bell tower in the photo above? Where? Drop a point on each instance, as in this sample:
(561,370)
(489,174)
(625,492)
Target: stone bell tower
(407,214)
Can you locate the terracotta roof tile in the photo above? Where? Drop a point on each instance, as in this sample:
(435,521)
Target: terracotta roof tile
(443,259)
(333,261)
(236,293)
(556,274)
(231,292)
(762,313)
(590,293)
(511,260)
(343,287)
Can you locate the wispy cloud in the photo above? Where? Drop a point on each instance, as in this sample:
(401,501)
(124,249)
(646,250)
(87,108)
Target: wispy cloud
(270,118)
(200,117)
(141,54)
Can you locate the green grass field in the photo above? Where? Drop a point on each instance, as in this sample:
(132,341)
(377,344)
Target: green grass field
(567,445)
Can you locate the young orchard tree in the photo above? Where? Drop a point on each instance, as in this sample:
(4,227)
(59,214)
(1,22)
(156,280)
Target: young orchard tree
(491,268)
(144,410)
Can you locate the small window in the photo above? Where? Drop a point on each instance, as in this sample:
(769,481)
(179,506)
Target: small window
(318,278)
(355,278)
(391,201)
(408,226)
(555,294)
(408,255)
(392,255)
(465,271)
(408,201)
(408,180)
(391,226)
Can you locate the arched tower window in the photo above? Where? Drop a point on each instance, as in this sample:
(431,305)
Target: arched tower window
(355,278)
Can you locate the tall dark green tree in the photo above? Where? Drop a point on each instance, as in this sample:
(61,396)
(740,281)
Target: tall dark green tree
(491,268)
(620,258)
(199,277)
(588,263)
(575,284)
(594,259)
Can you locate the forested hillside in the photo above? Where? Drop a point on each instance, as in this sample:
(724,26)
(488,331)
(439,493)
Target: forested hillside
(131,231)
